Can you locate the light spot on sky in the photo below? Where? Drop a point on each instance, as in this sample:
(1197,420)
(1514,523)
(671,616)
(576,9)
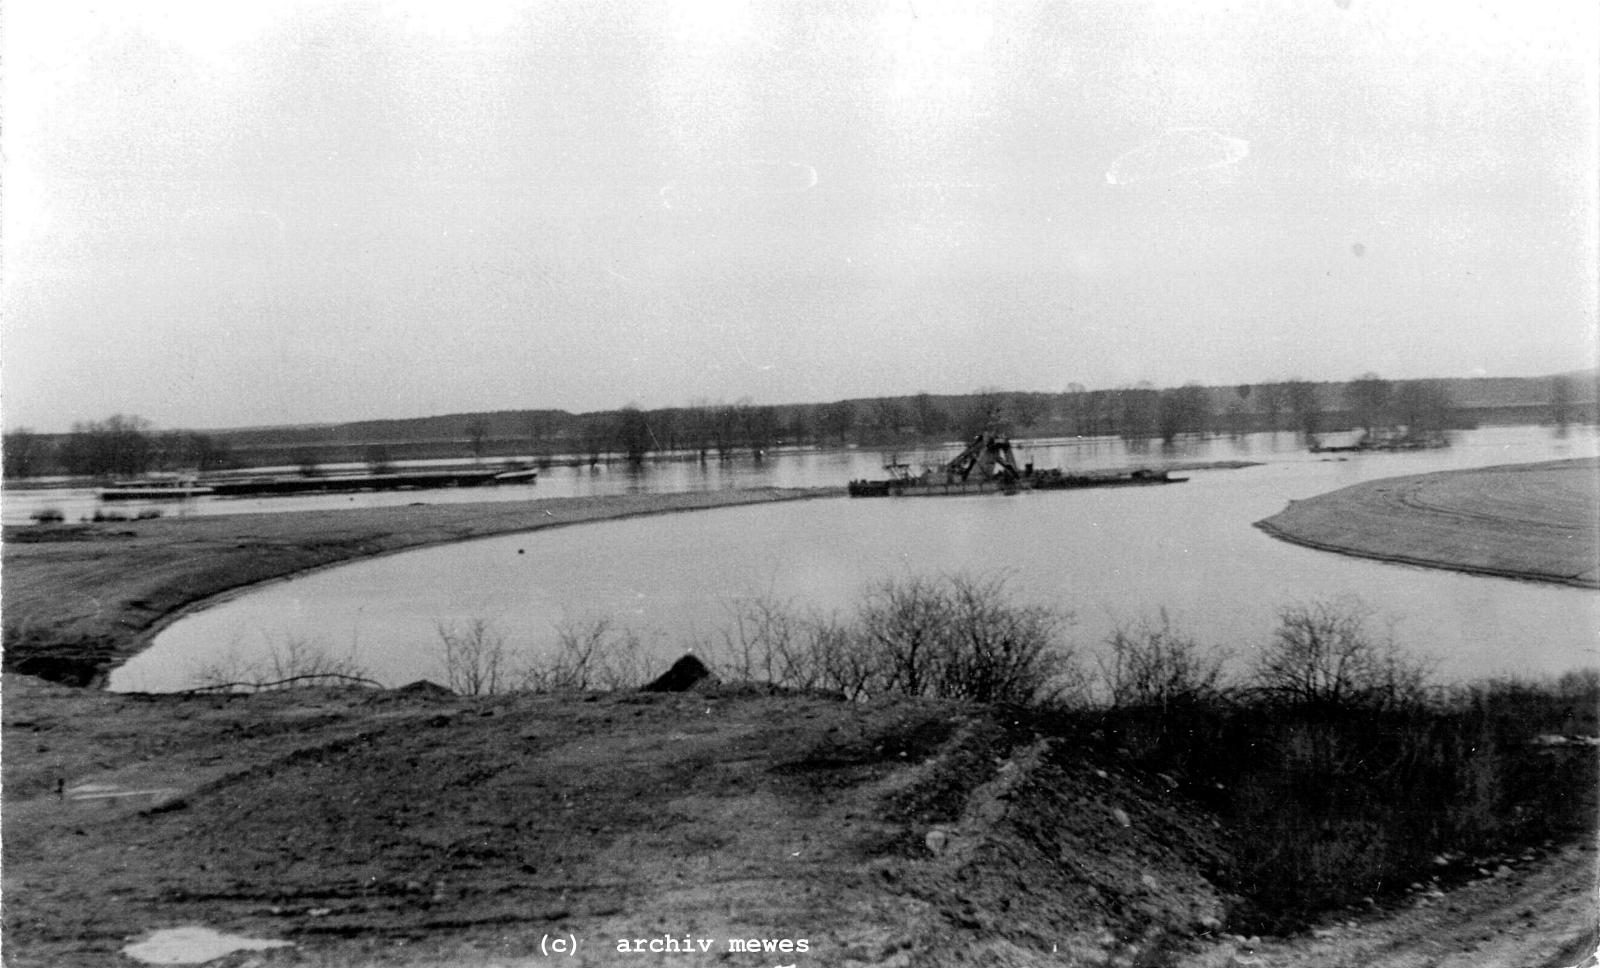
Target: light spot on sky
(1178,152)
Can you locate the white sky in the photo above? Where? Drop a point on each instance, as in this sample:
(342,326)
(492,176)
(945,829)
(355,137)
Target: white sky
(219,215)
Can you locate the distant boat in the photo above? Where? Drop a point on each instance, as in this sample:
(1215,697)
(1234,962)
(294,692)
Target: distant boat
(154,491)
(519,476)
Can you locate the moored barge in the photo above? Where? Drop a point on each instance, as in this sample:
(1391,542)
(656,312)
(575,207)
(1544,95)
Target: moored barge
(987,466)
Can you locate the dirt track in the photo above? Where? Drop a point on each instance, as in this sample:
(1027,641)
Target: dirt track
(1531,521)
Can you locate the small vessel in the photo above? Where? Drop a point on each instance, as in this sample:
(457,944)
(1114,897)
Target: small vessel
(176,489)
(517,475)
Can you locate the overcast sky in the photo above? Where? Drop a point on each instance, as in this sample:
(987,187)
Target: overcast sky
(331,211)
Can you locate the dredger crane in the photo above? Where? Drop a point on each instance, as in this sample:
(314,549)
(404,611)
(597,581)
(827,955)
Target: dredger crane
(990,456)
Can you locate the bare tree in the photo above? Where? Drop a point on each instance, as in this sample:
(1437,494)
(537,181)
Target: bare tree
(1367,398)
(1423,408)
(928,417)
(987,413)
(838,419)
(26,453)
(1301,398)
(1326,655)
(634,436)
(1150,664)
(1270,398)
(477,433)
(119,446)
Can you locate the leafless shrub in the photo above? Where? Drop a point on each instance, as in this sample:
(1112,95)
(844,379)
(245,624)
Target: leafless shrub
(475,658)
(841,665)
(1002,651)
(297,660)
(1325,654)
(766,640)
(1151,664)
(905,623)
(588,655)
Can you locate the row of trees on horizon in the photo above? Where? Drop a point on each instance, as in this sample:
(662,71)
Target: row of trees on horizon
(127,446)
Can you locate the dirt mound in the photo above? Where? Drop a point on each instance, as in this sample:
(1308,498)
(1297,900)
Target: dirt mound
(685,674)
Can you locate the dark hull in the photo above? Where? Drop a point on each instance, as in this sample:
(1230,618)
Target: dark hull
(366,482)
(153,493)
(1048,481)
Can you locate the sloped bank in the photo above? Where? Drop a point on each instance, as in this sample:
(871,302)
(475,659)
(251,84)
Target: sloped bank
(1530,521)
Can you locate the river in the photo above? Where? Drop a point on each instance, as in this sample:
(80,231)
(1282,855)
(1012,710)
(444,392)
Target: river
(1105,557)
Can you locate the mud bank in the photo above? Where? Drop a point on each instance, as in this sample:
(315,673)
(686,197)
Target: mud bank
(1537,522)
(81,599)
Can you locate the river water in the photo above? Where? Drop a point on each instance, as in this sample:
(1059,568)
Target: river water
(1106,557)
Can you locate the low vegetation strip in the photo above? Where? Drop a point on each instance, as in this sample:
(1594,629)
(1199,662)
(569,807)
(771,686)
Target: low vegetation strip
(79,599)
(1530,521)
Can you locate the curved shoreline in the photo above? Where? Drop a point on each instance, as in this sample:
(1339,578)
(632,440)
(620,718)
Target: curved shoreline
(1529,522)
(80,600)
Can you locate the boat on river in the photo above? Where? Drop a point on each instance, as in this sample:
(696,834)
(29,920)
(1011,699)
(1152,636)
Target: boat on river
(418,480)
(987,466)
(157,490)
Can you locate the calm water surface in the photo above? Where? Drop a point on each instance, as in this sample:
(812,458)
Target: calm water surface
(1105,556)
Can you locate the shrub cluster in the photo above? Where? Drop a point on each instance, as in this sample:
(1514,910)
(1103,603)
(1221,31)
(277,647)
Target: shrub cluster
(953,637)
(1341,771)
(588,656)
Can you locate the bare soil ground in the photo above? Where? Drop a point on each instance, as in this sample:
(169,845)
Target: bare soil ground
(375,827)
(417,828)
(1532,521)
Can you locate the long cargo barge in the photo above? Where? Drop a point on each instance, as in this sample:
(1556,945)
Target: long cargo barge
(421,480)
(1050,480)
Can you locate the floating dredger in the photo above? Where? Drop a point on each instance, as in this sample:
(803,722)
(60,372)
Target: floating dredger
(988,465)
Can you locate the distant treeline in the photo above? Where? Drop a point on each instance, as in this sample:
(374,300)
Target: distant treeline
(123,446)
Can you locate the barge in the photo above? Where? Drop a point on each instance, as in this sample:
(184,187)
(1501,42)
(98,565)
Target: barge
(421,480)
(987,466)
(154,491)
